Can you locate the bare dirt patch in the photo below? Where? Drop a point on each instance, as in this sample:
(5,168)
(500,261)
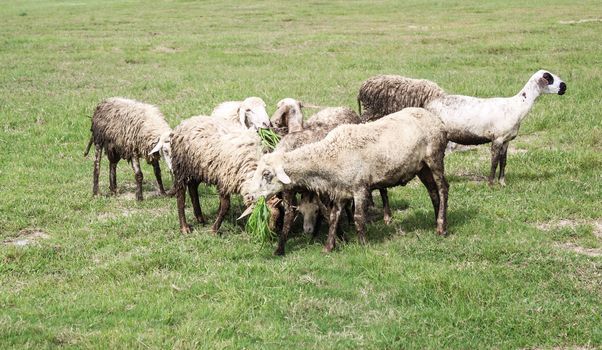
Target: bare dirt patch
(165,49)
(581,250)
(26,237)
(572,223)
(579,21)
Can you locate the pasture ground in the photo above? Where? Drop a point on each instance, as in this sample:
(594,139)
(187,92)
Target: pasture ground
(521,268)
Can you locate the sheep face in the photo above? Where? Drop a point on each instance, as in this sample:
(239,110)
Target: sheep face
(288,108)
(163,147)
(252,113)
(310,209)
(550,83)
(269,178)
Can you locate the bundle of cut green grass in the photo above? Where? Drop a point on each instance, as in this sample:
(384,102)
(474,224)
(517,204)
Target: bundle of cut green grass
(258,223)
(269,138)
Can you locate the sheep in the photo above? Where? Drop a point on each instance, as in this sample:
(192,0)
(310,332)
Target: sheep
(129,129)
(468,120)
(288,117)
(215,152)
(354,159)
(250,113)
(316,128)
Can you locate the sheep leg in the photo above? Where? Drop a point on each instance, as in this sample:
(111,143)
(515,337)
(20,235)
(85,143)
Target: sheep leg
(426,176)
(113,160)
(139,177)
(193,192)
(224,206)
(360,198)
(387,216)
(504,154)
(157,170)
(181,199)
(96,172)
(349,208)
(442,189)
(289,217)
(335,215)
(317,225)
(496,148)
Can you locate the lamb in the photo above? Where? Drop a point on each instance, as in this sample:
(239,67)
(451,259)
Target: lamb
(250,113)
(215,152)
(129,129)
(468,120)
(354,159)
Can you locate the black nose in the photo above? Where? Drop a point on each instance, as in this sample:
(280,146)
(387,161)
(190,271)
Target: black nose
(562,89)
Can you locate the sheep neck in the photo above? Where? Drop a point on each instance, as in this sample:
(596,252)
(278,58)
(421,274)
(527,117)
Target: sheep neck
(527,96)
(293,118)
(305,170)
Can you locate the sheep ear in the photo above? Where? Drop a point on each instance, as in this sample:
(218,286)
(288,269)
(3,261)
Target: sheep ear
(301,104)
(281,175)
(242,117)
(157,148)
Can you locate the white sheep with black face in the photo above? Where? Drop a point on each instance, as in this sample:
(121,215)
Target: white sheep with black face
(468,120)
(250,112)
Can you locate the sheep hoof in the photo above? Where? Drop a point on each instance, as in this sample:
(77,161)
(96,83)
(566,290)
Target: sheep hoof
(442,233)
(214,230)
(328,248)
(185,229)
(139,197)
(201,220)
(362,240)
(503,183)
(279,251)
(387,220)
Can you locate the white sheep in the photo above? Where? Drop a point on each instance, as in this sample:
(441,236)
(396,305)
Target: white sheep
(354,159)
(129,129)
(468,120)
(250,112)
(215,152)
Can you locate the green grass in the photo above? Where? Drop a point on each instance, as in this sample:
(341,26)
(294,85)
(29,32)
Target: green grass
(115,273)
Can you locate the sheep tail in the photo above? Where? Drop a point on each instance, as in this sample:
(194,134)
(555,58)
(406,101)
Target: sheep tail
(89,145)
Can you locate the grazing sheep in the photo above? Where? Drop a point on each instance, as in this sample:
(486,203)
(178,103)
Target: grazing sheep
(250,113)
(316,128)
(468,120)
(354,159)
(214,152)
(128,129)
(288,116)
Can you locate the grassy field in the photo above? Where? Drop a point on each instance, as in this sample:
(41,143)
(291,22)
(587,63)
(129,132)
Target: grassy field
(520,269)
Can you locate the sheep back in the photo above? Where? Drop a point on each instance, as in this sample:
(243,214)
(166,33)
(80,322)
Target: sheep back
(385,94)
(384,153)
(128,127)
(318,126)
(214,151)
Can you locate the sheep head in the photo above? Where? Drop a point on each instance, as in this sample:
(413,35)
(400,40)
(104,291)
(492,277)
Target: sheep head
(163,147)
(309,207)
(269,177)
(549,83)
(288,115)
(252,113)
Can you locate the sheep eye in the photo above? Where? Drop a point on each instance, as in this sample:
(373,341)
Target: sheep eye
(267,175)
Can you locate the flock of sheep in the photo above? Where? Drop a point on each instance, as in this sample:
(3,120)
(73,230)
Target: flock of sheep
(334,159)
